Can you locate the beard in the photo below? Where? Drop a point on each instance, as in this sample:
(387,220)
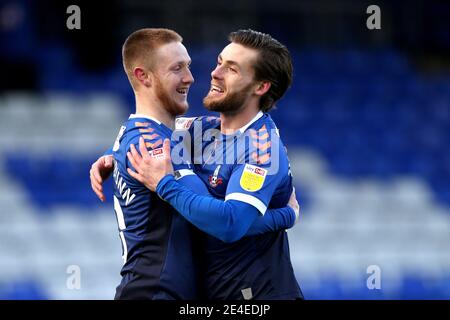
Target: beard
(173,107)
(229,104)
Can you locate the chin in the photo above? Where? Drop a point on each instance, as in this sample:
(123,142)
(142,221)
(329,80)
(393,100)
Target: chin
(212,104)
(182,108)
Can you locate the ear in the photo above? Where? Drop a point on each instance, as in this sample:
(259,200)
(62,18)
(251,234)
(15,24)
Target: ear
(262,88)
(143,77)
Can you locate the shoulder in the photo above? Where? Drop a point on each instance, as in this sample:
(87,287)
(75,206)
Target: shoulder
(265,127)
(265,145)
(152,133)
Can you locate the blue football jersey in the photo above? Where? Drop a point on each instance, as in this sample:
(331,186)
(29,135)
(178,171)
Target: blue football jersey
(249,166)
(158,243)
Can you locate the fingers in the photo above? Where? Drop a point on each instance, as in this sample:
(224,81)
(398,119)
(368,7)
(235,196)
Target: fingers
(292,198)
(167,156)
(96,181)
(99,194)
(143,148)
(108,160)
(293,203)
(95,172)
(136,157)
(101,169)
(166,148)
(95,184)
(132,160)
(97,188)
(135,175)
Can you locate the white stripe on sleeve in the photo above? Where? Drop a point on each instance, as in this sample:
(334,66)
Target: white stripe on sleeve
(258,204)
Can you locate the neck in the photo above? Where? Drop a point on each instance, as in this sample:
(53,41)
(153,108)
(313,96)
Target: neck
(152,107)
(230,123)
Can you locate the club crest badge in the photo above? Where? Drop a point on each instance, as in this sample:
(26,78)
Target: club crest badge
(214,180)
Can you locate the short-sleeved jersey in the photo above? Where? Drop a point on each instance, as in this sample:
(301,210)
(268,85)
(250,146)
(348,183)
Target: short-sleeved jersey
(249,166)
(157,242)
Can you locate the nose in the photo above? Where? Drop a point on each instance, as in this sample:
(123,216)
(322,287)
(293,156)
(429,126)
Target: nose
(216,73)
(189,78)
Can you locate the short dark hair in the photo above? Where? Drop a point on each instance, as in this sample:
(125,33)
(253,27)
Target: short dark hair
(274,63)
(140,46)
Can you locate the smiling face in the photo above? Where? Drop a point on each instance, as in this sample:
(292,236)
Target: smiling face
(172,77)
(232,80)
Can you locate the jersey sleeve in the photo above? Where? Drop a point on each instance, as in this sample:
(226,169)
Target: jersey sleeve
(153,139)
(226,220)
(273,220)
(108,152)
(266,168)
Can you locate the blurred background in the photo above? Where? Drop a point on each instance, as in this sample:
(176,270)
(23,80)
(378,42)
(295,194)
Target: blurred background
(366,124)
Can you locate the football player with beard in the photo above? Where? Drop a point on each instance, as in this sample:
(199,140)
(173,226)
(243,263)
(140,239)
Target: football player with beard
(253,72)
(160,251)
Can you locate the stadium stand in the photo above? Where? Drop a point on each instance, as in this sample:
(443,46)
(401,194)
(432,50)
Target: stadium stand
(367,136)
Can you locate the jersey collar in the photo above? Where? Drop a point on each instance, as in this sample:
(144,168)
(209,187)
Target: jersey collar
(256,118)
(137,115)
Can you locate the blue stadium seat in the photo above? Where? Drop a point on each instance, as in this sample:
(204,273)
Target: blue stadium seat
(27,289)
(55,180)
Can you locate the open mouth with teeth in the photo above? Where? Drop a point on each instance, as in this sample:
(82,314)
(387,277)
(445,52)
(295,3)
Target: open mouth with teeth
(216,89)
(182,91)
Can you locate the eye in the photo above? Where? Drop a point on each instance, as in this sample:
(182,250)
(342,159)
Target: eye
(232,69)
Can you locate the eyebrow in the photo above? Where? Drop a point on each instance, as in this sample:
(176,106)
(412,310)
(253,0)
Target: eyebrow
(229,61)
(182,62)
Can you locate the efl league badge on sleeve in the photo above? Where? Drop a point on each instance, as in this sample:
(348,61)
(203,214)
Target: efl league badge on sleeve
(252,178)
(157,153)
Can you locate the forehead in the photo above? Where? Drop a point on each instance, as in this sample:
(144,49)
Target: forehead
(171,53)
(238,53)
